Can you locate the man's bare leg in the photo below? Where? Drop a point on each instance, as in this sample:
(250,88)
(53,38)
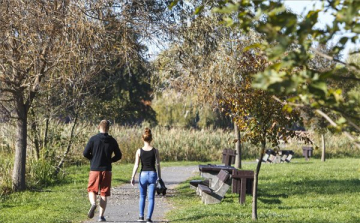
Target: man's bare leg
(103,202)
(92,199)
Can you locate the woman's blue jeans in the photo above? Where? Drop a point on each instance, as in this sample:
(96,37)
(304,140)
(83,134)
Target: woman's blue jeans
(147,183)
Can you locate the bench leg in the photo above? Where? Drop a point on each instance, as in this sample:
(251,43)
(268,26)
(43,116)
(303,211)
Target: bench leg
(210,198)
(242,191)
(198,191)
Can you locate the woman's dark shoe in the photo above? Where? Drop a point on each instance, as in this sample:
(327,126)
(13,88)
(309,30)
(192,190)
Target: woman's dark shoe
(141,219)
(148,220)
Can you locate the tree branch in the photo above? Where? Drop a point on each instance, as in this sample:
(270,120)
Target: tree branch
(333,123)
(350,66)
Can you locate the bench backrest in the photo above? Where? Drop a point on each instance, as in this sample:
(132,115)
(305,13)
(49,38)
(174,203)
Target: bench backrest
(228,157)
(223,175)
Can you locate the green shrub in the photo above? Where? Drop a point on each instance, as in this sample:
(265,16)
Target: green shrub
(6,165)
(41,173)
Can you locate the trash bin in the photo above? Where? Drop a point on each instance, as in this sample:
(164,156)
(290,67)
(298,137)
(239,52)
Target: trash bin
(307,152)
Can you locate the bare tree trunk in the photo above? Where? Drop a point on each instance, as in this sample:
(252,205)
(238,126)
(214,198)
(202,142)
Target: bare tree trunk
(237,147)
(59,166)
(322,148)
(46,132)
(256,180)
(35,135)
(18,176)
(36,140)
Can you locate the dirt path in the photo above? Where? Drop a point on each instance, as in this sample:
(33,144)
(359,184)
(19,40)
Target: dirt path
(124,201)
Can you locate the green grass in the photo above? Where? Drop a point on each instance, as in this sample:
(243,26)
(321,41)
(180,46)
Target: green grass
(296,192)
(66,202)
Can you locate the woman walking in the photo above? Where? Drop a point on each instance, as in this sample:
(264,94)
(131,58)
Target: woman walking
(149,174)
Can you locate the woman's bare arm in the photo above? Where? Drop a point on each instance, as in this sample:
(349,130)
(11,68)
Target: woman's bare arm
(158,168)
(136,166)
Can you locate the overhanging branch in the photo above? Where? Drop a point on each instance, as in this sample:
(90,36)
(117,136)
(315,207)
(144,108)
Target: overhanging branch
(332,122)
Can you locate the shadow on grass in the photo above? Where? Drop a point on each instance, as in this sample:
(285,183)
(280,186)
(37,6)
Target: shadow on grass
(120,181)
(300,163)
(269,200)
(201,216)
(316,186)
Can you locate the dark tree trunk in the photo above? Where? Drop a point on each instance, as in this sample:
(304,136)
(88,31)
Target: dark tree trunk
(237,147)
(323,148)
(36,140)
(18,176)
(46,132)
(61,163)
(34,132)
(256,180)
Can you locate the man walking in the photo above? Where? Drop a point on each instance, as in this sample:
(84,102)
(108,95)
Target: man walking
(99,151)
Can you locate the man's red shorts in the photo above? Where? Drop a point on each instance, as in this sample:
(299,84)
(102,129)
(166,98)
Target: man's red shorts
(100,179)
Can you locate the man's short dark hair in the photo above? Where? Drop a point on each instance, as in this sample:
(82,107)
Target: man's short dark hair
(105,125)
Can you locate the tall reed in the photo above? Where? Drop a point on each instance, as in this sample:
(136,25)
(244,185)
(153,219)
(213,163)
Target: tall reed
(174,144)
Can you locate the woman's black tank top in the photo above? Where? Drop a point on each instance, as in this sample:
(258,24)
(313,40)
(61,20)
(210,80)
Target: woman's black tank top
(148,160)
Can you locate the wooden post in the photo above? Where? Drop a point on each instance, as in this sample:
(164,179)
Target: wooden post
(237,147)
(322,148)
(243,190)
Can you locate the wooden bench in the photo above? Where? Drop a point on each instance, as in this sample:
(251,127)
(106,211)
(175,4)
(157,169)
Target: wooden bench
(280,156)
(215,194)
(195,183)
(269,156)
(242,183)
(211,171)
(286,155)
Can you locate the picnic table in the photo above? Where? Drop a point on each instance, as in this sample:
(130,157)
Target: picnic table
(242,183)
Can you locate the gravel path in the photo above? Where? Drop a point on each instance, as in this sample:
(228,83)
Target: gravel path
(123,203)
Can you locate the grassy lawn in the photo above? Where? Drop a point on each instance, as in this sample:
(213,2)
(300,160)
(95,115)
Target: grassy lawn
(65,202)
(295,192)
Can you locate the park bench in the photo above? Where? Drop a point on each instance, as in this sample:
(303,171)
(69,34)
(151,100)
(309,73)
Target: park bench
(307,152)
(210,171)
(194,183)
(214,195)
(242,183)
(280,156)
(269,156)
(286,155)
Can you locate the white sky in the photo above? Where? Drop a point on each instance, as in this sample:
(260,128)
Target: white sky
(303,6)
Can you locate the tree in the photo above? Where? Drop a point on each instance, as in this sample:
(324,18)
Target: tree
(214,62)
(39,40)
(288,44)
(262,119)
(203,61)
(48,44)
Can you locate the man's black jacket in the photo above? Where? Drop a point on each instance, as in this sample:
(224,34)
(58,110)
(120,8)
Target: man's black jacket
(99,150)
